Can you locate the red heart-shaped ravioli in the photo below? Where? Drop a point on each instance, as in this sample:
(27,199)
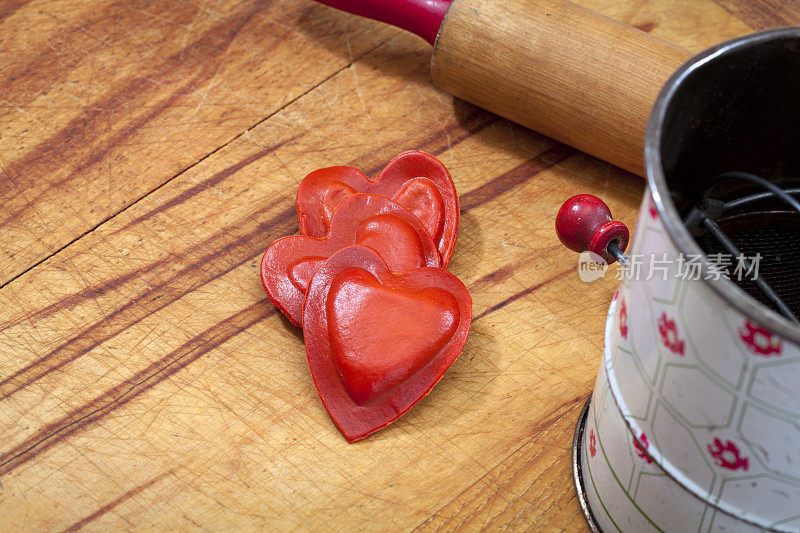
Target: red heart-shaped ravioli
(414,179)
(377,342)
(373,221)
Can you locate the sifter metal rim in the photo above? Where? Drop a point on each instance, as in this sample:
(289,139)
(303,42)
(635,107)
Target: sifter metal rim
(736,297)
(577,468)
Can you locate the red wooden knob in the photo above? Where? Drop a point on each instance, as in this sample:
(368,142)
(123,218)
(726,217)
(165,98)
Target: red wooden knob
(584,224)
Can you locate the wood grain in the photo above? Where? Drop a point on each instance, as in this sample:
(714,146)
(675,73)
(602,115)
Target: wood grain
(113,99)
(764,14)
(147,382)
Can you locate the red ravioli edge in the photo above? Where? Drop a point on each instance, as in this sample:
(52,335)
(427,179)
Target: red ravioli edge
(345,224)
(331,184)
(357,421)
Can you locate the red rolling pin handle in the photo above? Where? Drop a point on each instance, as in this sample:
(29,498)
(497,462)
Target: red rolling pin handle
(422,17)
(584,224)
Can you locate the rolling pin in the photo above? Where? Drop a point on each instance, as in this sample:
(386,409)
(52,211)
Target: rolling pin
(551,65)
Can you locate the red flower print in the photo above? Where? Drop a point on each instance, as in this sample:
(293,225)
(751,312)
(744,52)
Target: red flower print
(727,456)
(592,449)
(623,319)
(641,452)
(669,334)
(759,340)
(652,208)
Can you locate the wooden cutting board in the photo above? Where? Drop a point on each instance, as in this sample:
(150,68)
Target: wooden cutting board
(150,152)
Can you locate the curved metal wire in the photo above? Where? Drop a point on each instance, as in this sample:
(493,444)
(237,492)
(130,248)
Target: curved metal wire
(739,202)
(758,180)
(713,228)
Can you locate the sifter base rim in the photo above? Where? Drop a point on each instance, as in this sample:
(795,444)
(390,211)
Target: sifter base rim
(577,470)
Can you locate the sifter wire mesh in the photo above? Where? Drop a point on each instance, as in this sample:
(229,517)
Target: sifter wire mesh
(764,224)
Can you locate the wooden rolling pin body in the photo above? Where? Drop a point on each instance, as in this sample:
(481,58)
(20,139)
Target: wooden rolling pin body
(559,69)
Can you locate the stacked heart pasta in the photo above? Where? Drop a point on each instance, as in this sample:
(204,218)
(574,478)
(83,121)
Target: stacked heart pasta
(382,318)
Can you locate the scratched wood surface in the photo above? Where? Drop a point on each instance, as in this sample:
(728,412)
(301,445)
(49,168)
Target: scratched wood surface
(150,152)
